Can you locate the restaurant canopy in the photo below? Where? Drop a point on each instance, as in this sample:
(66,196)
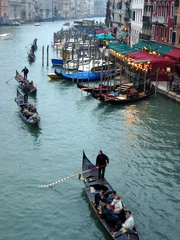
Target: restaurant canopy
(174,54)
(140,45)
(159,48)
(103,36)
(156,60)
(122,48)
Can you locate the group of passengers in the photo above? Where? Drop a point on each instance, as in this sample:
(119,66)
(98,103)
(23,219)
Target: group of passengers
(30,112)
(113,210)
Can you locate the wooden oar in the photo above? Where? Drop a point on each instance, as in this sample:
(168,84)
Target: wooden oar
(74,175)
(9,80)
(7,101)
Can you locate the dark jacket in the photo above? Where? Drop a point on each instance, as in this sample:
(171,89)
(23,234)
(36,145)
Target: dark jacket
(102,159)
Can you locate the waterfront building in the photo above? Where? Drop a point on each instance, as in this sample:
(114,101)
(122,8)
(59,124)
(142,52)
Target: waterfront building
(121,17)
(14,10)
(44,8)
(28,10)
(177,23)
(99,8)
(147,21)
(4,12)
(162,21)
(137,10)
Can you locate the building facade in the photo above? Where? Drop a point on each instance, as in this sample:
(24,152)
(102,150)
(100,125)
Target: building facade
(147,21)
(177,23)
(4,11)
(14,10)
(163,21)
(137,11)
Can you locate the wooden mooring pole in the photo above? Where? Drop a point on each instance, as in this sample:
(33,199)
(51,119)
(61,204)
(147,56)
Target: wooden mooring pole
(47,55)
(43,55)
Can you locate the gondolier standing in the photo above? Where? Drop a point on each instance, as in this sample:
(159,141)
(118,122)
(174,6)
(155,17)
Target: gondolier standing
(101,161)
(26,71)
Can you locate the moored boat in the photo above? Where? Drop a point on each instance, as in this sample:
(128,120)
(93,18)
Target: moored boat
(96,89)
(123,98)
(96,65)
(54,76)
(32,118)
(92,186)
(22,82)
(57,62)
(82,76)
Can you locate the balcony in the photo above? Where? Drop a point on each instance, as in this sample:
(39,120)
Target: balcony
(148,3)
(146,37)
(160,20)
(147,19)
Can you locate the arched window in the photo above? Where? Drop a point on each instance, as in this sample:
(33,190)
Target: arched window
(162,9)
(154,7)
(172,10)
(167,9)
(159,10)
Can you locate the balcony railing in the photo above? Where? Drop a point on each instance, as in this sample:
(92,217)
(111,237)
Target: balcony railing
(148,2)
(146,37)
(147,19)
(160,20)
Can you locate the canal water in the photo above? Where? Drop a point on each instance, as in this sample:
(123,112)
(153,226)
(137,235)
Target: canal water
(142,141)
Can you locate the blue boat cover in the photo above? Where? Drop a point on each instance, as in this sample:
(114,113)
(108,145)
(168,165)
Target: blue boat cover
(83,75)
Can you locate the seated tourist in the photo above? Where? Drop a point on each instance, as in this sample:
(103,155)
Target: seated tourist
(129,223)
(110,196)
(31,85)
(100,197)
(116,203)
(109,217)
(26,113)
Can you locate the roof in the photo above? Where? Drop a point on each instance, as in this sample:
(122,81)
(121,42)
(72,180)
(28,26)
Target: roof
(175,54)
(140,45)
(159,47)
(156,60)
(104,37)
(123,34)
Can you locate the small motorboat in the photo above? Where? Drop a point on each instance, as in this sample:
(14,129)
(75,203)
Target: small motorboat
(37,24)
(6,36)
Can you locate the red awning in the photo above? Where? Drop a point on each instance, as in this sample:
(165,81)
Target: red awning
(175,54)
(156,60)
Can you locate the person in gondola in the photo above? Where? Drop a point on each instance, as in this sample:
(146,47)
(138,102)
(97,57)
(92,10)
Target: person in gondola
(33,48)
(31,85)
(129,223)
(116,203)
(25,98)
(109,217)
(99,197)
(110,195)
(26,71)
(26,89)
(101,161)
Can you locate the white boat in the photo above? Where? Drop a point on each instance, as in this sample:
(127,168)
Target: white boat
(73,64)
(6,36)
(96,65)
(37,24)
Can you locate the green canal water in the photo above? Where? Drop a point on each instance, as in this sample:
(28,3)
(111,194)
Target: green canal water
(141,140)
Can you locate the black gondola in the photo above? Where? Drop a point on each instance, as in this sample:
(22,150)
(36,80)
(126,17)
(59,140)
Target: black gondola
(97,89)
(20,79)
(92,185)
(125,98)
(33,120)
